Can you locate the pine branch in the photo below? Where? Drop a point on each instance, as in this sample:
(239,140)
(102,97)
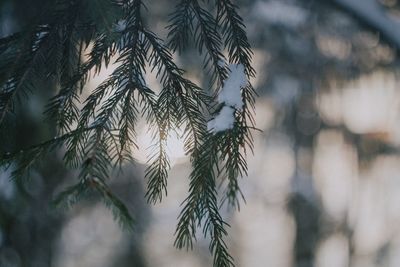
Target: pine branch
(29,57)
(74,194)
(239,139)
(233,30)
(105,128)
(181,26)
(191,98)
(180,102)
(62,107)
(235,166)
(208,37)
(25,159)
(71,195)
(118,208)
(17,66)
(127,125)
(9,41)
(201,208)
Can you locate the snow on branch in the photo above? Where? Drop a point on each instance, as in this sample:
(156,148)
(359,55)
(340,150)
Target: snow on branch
(230,95)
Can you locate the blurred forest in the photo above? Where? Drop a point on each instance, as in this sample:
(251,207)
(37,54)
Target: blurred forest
(324,181)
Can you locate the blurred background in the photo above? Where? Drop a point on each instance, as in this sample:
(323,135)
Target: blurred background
(323,187)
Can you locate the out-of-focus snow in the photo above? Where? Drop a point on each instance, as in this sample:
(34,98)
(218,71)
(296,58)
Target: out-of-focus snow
(281,13)
(286,89)
(230,95)
(371,12)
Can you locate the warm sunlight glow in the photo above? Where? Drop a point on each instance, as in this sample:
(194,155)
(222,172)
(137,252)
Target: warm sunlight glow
(145,142)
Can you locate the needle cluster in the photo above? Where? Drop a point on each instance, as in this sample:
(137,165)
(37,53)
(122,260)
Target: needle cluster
(99,133)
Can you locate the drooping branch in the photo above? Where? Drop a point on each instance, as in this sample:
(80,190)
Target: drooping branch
(101,134)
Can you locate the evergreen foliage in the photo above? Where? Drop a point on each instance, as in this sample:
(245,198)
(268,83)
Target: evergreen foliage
(99,135)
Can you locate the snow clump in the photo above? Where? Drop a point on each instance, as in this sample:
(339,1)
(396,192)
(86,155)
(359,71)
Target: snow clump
(230,95)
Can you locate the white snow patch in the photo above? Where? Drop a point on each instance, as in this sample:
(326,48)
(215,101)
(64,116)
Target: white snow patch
(223,121)
(230,94)
(278,12)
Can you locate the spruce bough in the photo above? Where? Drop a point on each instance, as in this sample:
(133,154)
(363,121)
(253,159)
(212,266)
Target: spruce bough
(99,133)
